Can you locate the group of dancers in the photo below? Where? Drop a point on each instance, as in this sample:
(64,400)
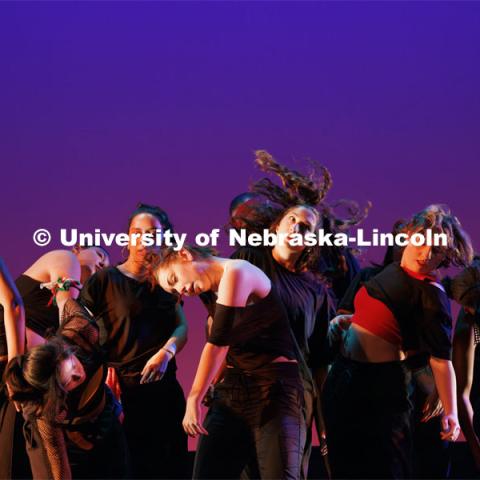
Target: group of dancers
(296,337)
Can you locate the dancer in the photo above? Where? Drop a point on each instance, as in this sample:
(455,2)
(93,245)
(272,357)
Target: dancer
(257,407)
(465,289)
(44,287)
(142,330)
(12,343)
(401,309)
(71,417)
(293,269)
(430,452)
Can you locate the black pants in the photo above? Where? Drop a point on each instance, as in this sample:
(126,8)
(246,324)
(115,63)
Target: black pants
(367,413)
(256,414)
(431,454)
(153,427)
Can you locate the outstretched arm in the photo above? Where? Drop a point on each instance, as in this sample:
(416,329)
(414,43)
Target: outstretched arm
(14,313)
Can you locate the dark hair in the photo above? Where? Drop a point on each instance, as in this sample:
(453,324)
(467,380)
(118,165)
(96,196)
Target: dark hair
(464,287)
(267,204)
(153,210)
(86,247)
(34,378)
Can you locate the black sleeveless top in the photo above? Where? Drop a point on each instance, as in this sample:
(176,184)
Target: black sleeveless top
(256,334)
(40,317)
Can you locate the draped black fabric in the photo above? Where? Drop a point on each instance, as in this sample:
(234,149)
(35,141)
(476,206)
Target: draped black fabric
(256,333)
(40,317)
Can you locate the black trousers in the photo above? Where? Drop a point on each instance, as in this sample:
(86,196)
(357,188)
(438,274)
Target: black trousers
(257,414)
(367,416)
(153,427)
(431,454)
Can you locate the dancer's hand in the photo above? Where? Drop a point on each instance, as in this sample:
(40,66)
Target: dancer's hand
(156,367)
(432,407)
(192,421)
(451,428)
(337,327)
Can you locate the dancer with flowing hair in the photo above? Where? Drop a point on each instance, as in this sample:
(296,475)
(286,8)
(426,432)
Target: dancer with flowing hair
(402,309)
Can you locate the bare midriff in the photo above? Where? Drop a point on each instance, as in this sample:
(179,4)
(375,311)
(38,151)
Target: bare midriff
(363,346)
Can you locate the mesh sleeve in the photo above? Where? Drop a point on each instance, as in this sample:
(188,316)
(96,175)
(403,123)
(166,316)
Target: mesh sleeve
(79,326)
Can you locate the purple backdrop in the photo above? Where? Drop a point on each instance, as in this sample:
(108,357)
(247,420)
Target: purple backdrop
(106,104)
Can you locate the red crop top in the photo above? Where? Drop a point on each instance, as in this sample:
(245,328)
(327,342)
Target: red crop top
(374,316)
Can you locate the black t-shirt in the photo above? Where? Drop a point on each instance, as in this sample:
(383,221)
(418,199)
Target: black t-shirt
(135,320)
(308,303)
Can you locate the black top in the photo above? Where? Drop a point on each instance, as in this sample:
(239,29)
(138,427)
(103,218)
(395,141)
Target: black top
(79,329)
(40,317)
(308,303)
(135,321)
(347,301)
(256,334)
(421,309)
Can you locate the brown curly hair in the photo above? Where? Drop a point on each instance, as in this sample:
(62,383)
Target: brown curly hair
(439,219)
(268,203)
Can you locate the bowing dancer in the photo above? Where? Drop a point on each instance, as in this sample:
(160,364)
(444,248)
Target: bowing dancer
(257,406)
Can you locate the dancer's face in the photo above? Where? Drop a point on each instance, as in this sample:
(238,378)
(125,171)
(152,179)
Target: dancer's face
(184,275)
(141,224)
(422,259)
(92,260)
(72,373)
(297,220)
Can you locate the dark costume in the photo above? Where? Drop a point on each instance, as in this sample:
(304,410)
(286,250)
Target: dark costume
(366,405)
(430,457)
(135,322)
(257,407)
(309,307)
(86,435)
(41,316)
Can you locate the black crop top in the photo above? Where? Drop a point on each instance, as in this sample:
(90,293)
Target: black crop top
(256,334)
(40,316)
(421,308)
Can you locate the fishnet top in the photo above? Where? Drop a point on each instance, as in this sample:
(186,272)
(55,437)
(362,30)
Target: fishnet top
(79,329)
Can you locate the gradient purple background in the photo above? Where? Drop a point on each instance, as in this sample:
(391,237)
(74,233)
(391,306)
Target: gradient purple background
(103,105)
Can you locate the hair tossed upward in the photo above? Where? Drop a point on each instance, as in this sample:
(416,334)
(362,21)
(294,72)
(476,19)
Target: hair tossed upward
(157,212)
(439,219)
(34,378)
(267,203)
(306,190)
